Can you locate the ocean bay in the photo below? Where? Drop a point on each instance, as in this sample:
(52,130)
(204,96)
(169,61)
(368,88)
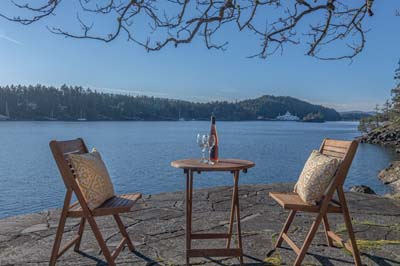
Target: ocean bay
(138,156)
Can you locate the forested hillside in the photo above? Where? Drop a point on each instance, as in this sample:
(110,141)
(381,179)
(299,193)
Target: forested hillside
(71,103)
(271,106)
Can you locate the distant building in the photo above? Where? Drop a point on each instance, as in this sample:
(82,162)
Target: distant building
(287,117)
(62,107)
(32,105)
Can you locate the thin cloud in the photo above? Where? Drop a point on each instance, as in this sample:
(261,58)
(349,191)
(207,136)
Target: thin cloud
(356,106)
(129,92)
(8,38)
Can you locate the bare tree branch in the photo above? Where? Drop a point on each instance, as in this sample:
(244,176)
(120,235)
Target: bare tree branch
(155,24)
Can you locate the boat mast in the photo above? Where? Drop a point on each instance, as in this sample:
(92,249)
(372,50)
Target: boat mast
(7,111)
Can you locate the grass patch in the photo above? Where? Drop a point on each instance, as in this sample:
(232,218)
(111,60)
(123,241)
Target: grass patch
(366,245)
(346,251)
(276,260)
(341,228)
(274,237)
(375,244)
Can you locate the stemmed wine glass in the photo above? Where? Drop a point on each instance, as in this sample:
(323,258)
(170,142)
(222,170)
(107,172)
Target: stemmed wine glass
(211,144)
(202,141)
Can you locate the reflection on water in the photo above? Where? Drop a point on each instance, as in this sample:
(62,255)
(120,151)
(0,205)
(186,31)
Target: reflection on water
(138,155)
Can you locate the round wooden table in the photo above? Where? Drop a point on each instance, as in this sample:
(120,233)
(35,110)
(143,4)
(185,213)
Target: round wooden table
(190,166)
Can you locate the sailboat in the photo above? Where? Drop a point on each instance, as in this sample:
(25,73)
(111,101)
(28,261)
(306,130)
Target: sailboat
(7,115)
(52,118)
(180,118)
(82,118)
(7,111)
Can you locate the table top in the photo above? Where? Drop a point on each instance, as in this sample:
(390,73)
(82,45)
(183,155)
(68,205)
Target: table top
(222,165)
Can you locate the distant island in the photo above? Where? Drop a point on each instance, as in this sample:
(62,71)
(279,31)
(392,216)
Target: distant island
(356,115)
(69,103)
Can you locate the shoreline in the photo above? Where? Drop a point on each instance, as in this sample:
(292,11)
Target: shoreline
(387,136)
(172,120)
(289,185)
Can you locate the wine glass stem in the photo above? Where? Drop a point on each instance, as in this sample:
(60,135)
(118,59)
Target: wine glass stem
(203,153)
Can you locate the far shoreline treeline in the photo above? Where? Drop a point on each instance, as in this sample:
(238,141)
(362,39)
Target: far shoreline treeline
(68,103)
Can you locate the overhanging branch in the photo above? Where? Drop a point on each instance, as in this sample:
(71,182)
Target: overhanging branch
(322,24)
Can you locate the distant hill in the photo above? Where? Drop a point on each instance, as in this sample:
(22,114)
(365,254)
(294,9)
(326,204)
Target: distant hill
(355,115)
(271,106)
(72,103)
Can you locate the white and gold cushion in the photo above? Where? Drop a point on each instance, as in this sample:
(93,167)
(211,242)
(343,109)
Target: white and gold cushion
(92,177)
(316,176)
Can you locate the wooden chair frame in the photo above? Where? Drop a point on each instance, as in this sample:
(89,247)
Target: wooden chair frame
(60,150)
(344,150)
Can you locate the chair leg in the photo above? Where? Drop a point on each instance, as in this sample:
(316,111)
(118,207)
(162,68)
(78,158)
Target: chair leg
(237,208)
(60,228)
(232,216)
(189,211)
(80,233)
(308,240)
(285,228)
(57,241)
(349,227)
(125,234)
(326,229)
(100,240)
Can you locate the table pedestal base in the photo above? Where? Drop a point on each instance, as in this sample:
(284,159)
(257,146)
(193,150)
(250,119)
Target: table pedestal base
(222,252)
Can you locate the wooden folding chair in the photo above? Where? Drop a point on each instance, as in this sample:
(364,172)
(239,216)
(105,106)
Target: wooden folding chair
(113,206)
(344,150)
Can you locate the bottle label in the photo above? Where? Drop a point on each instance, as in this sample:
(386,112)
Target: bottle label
(214,154)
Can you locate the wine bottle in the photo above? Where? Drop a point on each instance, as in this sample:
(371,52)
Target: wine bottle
(213,132)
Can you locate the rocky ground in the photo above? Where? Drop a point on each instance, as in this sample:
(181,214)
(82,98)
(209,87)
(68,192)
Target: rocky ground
(387,135)
(157,229)
(391,177)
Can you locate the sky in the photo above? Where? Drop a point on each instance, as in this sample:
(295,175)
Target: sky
(33,55)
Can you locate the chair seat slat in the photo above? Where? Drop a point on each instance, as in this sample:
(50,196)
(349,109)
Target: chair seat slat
(292,201)
(117,204)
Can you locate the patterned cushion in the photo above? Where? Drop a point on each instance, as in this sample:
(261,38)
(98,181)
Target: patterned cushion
(92,177)
(316,176)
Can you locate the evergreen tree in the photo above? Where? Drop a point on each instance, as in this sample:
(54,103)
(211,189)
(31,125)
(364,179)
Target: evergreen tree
(72,103)
(396,92)
(386,109)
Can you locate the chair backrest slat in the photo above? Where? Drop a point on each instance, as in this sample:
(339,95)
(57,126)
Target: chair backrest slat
(61,150)
(334,154)
(71,146)
(341,149)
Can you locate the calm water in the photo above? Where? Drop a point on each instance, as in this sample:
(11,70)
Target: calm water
(138,155)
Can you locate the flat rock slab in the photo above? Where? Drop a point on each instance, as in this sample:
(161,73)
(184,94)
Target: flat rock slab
(157,228)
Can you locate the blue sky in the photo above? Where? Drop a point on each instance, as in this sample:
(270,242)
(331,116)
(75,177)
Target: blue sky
(31,55)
